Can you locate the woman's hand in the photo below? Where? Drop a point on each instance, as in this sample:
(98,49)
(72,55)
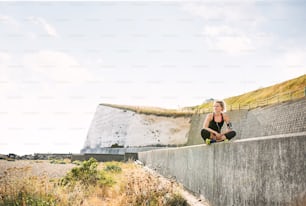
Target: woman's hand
(226,131)
(220,137)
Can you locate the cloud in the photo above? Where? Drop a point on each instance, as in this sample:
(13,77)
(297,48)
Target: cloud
(216,11)
(227,39)
(293,63)
(13,23)
(57,66)
(4,57)
(5,60)
(7,84)
(8,20)
(235,12)
(230,28)
(51,31)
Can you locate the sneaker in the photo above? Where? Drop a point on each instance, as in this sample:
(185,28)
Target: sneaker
(207,141)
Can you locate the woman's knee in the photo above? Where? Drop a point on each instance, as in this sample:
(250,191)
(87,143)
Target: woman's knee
(230,134)
(205,134)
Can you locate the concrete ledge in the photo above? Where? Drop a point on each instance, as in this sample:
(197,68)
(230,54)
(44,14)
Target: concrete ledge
(258,171)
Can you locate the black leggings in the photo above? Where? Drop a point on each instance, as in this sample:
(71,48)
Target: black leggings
(206,134)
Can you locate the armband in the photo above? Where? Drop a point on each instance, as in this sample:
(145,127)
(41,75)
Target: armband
(229,125)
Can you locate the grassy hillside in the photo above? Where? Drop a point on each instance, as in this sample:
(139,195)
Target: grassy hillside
(284,91)
(287,90)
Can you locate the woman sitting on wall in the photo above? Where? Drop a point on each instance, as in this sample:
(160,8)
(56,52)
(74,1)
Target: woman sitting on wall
(213,124)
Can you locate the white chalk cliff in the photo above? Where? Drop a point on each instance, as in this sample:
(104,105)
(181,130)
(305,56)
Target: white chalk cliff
(130,129)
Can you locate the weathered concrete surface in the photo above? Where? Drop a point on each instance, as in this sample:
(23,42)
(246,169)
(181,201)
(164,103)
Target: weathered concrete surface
(283,118)
(257,171)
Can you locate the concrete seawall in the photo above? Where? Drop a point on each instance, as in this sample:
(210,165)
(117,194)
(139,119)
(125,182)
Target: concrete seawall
(282,118)
(267,170)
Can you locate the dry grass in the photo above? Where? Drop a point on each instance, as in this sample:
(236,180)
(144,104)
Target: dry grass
(288,90)
(144,188)
(132,186)
(153,110)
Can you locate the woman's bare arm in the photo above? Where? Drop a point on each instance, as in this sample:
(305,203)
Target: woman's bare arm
(228,123)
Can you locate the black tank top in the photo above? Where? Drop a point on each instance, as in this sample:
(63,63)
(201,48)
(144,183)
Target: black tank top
(216,126)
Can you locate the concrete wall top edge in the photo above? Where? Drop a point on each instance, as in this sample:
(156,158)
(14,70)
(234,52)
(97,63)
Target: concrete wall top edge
(298,134)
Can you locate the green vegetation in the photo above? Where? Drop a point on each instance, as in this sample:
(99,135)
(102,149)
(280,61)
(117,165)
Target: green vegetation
(23,198)
(87,175)
(57,161)
(177,200)
(116,146)
(77,162)
(112,167)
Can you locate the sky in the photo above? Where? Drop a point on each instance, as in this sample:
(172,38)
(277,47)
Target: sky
(59,60)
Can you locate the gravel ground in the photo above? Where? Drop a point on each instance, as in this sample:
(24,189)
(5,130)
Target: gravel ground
(37,167)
